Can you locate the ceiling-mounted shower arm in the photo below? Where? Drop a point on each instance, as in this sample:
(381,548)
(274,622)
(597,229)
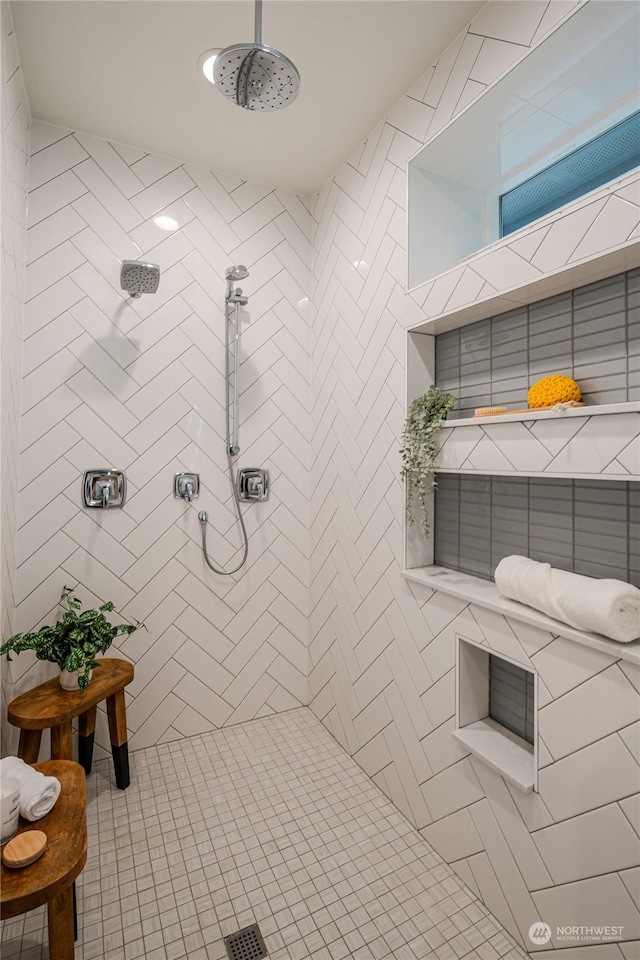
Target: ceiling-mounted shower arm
(244,80)
(258,30)
(255,76)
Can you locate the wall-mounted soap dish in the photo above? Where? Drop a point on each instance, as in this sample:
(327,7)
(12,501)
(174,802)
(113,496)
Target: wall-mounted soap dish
(104,488)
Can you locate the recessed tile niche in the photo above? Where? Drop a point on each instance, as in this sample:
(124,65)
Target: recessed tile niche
(591,333)
(591,527)
(561,489)
(482,705)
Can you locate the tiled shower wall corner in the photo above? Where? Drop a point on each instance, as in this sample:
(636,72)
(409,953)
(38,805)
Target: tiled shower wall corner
(381,659)
(591,334)
(139,385)
(589,526)
(382,650)
(13,191)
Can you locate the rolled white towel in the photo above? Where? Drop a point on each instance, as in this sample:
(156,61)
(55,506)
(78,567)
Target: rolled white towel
(38,794)
(609,607)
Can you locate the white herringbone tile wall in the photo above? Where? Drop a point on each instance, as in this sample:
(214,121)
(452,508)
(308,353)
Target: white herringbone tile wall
(13,192)
(382,651)
(139,385)
(576,445)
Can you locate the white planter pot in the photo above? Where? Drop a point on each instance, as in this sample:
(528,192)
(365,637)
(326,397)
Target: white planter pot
(69,680)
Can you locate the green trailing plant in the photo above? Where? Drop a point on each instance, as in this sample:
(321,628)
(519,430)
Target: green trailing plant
(420,446)
(74,641)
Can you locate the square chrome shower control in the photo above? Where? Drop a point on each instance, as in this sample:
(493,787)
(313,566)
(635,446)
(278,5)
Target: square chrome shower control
(104,488)
(186,486)
(253,484)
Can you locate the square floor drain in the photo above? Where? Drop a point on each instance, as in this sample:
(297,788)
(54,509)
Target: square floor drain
(246,944)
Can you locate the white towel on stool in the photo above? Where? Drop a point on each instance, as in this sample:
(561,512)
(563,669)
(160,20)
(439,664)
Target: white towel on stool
(609,607)
(38,794)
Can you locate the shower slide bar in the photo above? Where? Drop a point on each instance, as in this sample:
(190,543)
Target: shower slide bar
(236,298)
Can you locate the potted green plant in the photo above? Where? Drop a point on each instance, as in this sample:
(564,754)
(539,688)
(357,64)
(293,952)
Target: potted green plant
(72,643)
(420,447)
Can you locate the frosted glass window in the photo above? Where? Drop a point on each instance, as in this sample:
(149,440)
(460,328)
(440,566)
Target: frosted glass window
(613,153)
(526,133)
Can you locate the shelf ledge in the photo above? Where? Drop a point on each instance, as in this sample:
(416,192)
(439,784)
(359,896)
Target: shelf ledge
(486,594)
(501,750)
(599,409)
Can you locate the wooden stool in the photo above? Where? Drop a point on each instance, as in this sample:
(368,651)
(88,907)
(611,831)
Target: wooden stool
(51,879)
(48,705)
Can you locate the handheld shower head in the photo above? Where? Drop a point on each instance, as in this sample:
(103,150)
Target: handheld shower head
(236,272)
(137,277)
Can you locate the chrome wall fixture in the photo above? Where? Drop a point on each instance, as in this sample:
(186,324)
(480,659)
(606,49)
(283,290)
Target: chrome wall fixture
(104,488)
(253,483)
(235,298)
(186,486)
(138,277)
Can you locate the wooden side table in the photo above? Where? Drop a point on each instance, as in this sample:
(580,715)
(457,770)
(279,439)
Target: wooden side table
(51,879)
(49,706)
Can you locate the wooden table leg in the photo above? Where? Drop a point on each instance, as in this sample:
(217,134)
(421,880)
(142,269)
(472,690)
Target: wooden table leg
(117,716)
(86,734)
(60,912)
(29,746)
(62,741)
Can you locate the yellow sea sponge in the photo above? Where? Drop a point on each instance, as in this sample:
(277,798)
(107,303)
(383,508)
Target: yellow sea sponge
(551,390)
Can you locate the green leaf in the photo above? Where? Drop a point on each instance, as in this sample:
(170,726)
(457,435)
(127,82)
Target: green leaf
(75,660)
(420,446)
(89,616)
(74,640)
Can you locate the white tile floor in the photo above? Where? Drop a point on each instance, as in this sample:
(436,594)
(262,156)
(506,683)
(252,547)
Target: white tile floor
(267,821)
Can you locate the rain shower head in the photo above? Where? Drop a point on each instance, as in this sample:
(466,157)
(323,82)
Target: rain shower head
(137,277)
(254,76)
(236,272)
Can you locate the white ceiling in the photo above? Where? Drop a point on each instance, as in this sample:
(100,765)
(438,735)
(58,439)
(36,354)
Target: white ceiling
(127,70)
